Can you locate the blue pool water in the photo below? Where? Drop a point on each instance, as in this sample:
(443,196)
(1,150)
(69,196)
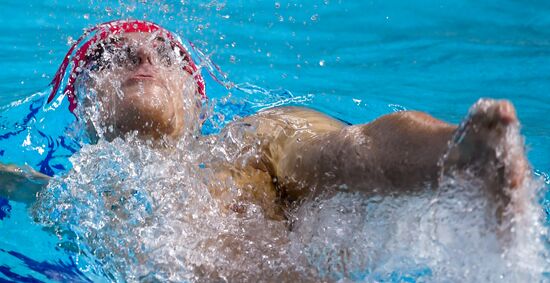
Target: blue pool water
(355,60)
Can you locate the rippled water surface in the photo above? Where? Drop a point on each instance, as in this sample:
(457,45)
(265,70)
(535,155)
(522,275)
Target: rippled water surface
(355,60)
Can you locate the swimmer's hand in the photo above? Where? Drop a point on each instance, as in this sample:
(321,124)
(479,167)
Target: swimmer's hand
(21,183)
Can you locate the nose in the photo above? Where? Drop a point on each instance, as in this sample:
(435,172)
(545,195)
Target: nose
(145,55)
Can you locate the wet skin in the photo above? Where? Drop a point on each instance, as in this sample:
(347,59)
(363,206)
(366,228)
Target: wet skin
(301,152)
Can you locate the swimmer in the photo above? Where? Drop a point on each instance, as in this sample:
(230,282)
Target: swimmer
(146,84)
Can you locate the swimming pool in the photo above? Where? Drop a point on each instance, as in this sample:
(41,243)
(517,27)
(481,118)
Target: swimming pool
(354,61)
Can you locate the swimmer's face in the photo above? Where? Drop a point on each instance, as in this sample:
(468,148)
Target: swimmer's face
(141,86)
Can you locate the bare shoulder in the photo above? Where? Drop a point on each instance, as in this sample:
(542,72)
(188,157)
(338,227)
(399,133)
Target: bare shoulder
(294,118)
(274,133)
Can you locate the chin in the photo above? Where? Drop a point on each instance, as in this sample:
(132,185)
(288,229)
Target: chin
(148,98)
(146,90)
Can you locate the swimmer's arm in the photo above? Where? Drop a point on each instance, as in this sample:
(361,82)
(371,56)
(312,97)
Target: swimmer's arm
(306,154)
(21,184)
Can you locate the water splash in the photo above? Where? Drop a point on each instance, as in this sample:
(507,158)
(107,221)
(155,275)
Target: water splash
(142,224)
(156,214)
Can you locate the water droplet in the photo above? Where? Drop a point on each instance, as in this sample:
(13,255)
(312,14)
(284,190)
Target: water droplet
(86,16)
(322,63)
(70,40)
(397,107)
(130,8)
(277,5)
(314,17)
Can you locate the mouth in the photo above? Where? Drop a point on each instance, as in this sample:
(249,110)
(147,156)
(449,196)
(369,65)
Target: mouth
(141,76)
(143,79)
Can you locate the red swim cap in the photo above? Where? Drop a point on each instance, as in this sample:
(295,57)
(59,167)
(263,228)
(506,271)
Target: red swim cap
(102,32)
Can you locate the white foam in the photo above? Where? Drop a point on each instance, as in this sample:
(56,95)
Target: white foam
(149,214)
